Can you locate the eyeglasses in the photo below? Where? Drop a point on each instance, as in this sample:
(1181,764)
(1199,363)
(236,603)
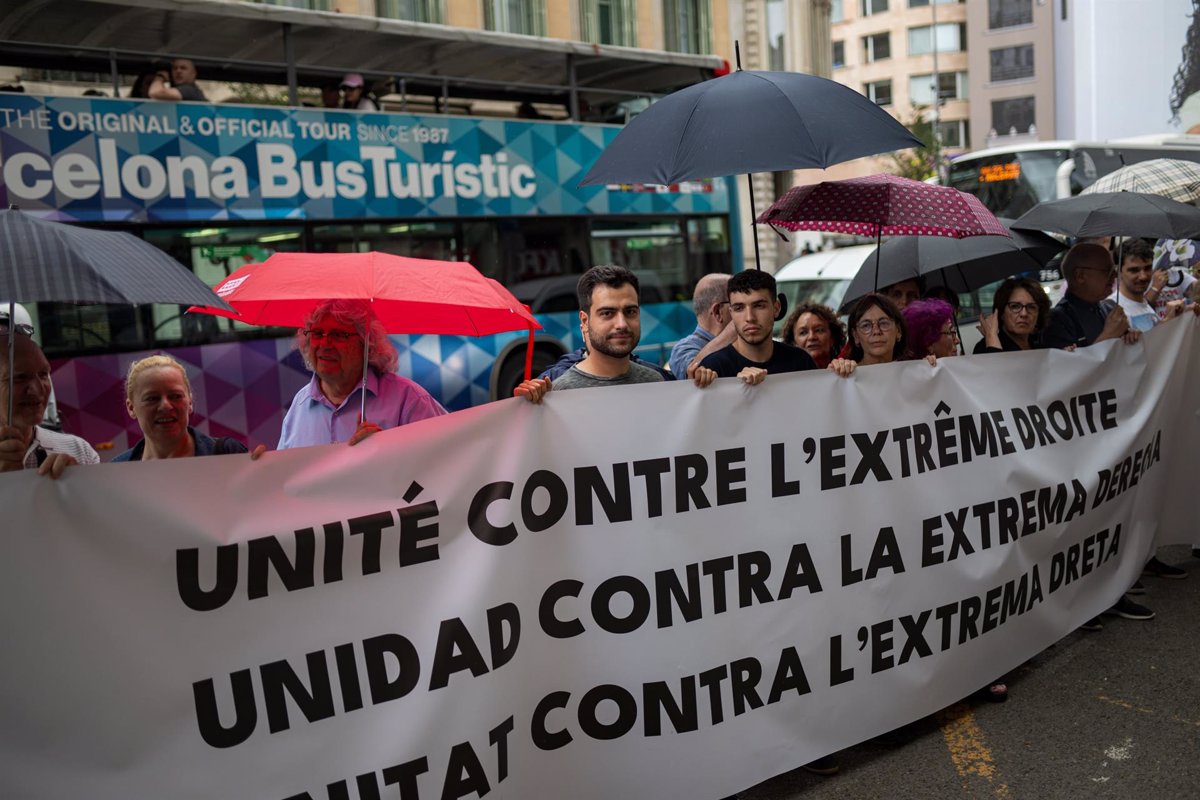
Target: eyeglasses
(339,337)
(884,325)
(1017,308)
(1111,272)
(952,333)
(20,327)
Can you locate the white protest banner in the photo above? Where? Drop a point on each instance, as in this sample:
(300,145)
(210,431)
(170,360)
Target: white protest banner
(652,591)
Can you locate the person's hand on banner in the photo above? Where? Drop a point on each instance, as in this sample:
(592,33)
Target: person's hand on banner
(701,376)
(752,376)
(257,452)
(1115,325)
(533,390)
(55,464)
(842,366)
(365,429)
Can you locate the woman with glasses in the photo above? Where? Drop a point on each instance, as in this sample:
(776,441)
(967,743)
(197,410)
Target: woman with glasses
(876,333)
(815,328)
(1021,311)
(159,396)
(931,331)
(330,407)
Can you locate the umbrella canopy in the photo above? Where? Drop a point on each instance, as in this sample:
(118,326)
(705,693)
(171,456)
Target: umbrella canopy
(42,261)
(961,265)
(1114,214)
(408,295)
(748,121)
(46,261)
(882,205)
(1166,177)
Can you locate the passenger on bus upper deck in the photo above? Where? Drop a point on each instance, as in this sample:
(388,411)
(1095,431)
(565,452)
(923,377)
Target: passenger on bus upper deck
(354,94)
(183,83)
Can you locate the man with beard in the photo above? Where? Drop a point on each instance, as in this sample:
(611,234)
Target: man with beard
(754,354)
(609,319)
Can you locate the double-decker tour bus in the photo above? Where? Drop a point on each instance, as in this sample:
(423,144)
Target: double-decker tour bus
(451,169)
(1010,180)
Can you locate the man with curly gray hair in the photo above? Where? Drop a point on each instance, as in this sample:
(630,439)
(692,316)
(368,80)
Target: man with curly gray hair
(327,410)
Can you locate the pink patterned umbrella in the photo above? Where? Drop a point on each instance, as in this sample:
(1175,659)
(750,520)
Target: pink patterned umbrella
(883,205)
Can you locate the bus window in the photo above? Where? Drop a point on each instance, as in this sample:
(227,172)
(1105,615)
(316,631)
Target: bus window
(1009,184)
(654,249)
(214,253)
(433,240)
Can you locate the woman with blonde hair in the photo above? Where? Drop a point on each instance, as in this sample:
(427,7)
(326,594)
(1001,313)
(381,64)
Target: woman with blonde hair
(159,396)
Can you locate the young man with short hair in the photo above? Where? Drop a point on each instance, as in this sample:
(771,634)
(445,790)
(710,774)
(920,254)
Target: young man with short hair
(754,354)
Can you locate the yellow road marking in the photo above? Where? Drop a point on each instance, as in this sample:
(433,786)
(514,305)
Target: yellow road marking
(968,750)
(1149,711)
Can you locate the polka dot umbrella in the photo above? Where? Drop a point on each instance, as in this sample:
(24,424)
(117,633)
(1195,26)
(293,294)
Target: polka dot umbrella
(882,205)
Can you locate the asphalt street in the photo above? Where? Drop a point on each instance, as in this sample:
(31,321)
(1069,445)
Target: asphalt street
(1112,714)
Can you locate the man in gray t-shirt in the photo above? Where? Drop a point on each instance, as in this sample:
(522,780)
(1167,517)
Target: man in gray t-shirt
(609,318)
(575,378)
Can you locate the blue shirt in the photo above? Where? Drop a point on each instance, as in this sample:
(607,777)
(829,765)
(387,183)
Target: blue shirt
(685,350)
(392,401)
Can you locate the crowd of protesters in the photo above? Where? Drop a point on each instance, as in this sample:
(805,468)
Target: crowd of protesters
(348,400)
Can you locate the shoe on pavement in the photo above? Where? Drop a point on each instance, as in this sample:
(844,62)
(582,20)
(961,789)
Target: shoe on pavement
(1128,609)
(825,765)
(1137,588)
(1160,570)
(1093,624)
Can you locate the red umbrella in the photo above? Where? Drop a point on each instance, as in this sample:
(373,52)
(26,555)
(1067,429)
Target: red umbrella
(408,295)
(882,205)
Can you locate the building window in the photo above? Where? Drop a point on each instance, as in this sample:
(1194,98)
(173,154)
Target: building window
(412,10)
(1012,63)
(951,86)
(877,47)
(955,133)
(1015,115)
(776,27)
(608,22)
(515,16)
(839,54)
(836,12)
(869,7)
(687,25)
(1009,13)
(951,37)
(920,3)
(879,92)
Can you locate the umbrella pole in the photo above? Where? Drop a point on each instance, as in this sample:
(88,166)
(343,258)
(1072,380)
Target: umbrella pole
(753,217)
(529,355)
(362,411)
(878,244)
(12,346)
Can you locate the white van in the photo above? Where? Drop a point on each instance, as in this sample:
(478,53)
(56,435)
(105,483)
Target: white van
(821,277)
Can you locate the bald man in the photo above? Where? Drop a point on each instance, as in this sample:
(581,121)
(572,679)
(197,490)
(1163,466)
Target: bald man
(710,302)
(23,445)
(1085,315)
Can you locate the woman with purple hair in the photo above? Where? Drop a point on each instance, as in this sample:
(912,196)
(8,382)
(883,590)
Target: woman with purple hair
(931,331)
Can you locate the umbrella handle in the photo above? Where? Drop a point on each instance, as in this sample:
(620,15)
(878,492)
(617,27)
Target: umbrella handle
(529,355)
(12,346)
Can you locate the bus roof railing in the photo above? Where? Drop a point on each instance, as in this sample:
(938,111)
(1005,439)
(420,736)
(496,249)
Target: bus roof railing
(258,43)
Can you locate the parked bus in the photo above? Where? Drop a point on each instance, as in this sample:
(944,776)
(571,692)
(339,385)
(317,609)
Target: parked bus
(219,186)
(1011,180)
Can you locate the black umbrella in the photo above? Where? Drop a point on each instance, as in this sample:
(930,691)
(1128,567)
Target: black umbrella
(1114,214)
(745,122)
(961,265)
(42,261)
